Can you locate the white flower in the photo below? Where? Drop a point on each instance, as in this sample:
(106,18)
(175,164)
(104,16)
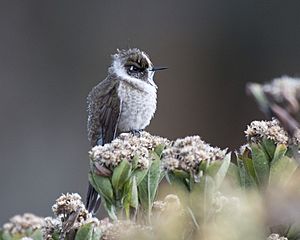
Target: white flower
(187,154)
(258,130)
(127,146)
(275,236)
(21,223)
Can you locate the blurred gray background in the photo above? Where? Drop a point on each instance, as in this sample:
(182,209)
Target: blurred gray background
(53,52)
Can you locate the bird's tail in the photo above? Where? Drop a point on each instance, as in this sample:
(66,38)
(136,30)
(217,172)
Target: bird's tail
(93,200)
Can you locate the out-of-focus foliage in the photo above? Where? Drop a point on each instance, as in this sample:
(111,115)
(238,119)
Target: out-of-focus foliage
(209,193)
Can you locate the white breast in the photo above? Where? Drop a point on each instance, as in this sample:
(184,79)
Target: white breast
(138,105)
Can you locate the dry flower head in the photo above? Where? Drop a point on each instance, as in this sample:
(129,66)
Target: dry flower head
(275,236)
(258,130)
(50,226)
(64,207)
(283,87)
(127,146)
(187,154)
(19,224)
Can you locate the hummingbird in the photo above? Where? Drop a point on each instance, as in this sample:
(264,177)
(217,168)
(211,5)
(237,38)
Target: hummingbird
(125,101)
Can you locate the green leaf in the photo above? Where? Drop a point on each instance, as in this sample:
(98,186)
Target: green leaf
(130,196)
(181,174)
(121,174)
(159,149)
(103,186)
(111,210)
(282,170)
(218,170)
(269,147)
(134,201)
(85,232)
(37,235)
(279,153)
(6,236)
(148,187)
(134,162)
(139,175)
(201,197)
(233,174)
(97,233)
(246,171)
(260,163)
(294,231)
(178,182)
(126,198)
(55,235)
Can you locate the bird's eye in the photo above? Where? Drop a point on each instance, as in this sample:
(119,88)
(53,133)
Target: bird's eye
(134,68)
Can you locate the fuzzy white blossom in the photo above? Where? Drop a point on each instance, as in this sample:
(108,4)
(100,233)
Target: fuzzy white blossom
(283,87)
(20,224)
(187,154)
(67,205)
(275,236)
(50,226)
(127,146)
(258,130)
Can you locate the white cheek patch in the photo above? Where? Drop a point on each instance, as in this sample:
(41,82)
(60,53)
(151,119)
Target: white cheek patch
(150,73)
(147,58)
(120,71)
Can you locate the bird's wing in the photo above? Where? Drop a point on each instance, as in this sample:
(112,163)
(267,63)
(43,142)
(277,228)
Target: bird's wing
(104,107)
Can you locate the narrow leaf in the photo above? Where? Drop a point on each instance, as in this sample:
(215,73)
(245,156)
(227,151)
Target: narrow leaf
(103,186)
(97,233)
(111,210)
(246,172)
(260,164)
(269,147)
(121,174)
(37,235)
(134,201)
(159,149)
(279,152)
(139,175)
(6,236)
(85,232)
(218,170)
(148,187)
(282,170)
(233,174)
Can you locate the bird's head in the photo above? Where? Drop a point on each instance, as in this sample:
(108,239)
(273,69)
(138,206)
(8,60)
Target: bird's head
(133,63)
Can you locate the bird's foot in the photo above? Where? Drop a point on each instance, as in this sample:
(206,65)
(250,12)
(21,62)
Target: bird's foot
(136,133)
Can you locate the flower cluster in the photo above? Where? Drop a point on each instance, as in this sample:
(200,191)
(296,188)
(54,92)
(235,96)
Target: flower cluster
(187,154)
(69,203)
(282,88)
(50,226)
(127,146)
(65,206)
(258,130)
(275,236)
(20,224)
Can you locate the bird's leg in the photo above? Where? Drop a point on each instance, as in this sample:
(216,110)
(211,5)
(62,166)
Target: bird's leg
(136,133)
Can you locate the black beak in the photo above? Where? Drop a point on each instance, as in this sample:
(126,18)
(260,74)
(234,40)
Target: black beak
(158,68)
